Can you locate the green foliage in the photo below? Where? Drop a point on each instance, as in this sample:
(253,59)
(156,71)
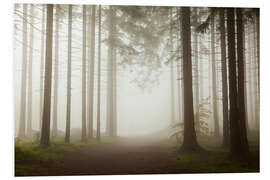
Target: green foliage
(200,121)
(30,156)
(36,138)
(216,162)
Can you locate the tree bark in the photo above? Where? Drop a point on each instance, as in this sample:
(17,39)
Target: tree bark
(91,69)
(111,77)
(241,79)
(45,132)
(235,139)
(41,85)
(189,141)
(84,76)
(225,142)
(214,89)
(99,67)
(172,75)
(29,123)
(21,133)
(67,137)
(256,73)
(56,65)
(196,75)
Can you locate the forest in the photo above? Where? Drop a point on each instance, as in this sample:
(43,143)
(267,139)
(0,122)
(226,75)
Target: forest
(107,90)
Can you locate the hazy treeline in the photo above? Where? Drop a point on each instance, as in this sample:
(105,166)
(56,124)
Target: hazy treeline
(212,55)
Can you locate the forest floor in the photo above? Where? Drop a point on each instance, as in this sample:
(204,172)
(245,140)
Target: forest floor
(143,155)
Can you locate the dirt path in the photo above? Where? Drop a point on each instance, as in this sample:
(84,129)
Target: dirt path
(126,156)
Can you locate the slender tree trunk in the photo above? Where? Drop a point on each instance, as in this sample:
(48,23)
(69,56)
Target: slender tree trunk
(172,76)
(245,32)
(23,75)
(45,133)
(235,139)
(180,72)
(99,66)
(196,75)
(41,86)
(250,81)
(214,89)
(241,79)
(109,125)
(189,142)
(114,126)
(67,138)
(91,69)
(56,65)
(256,74)
(84,76)
(258,53)
(29,123)
(225,142)
(201,92)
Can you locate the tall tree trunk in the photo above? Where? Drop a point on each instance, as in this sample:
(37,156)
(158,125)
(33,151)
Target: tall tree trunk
(67,138)
(250,81)
(84,76)
(114,67)
(256,73)
(225,142)
(180,72)
(56,65)
(91,69)
(29,122)
(258,53)
(23,75)
(201,76)
(189,141)
(99,67)
(214,89)
(114,107)
(41,85)
(45,132)
(196,75)
(109,124)
(235,139)
(241,79)
(172,75)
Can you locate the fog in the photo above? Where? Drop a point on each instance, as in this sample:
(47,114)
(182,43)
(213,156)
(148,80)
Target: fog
(107,89)
(139,110)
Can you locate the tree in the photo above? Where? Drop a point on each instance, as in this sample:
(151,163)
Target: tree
(99,67)
(189,142)
(41,85)
(241,79)
(196,70)
(91,65)
(45,132)
(67,137)
(111,75)
(56,65)
(236,147)
(214,89)
(23,75)
(250,80)
(256,63)
(30,64)
(84,76)
(225,142)
(172,73)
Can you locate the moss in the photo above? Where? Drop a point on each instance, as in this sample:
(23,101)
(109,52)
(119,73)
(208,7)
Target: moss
(30,157)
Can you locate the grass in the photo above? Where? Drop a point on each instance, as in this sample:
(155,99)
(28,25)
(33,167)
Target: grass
(31,157)
(216,162)
(216,159)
